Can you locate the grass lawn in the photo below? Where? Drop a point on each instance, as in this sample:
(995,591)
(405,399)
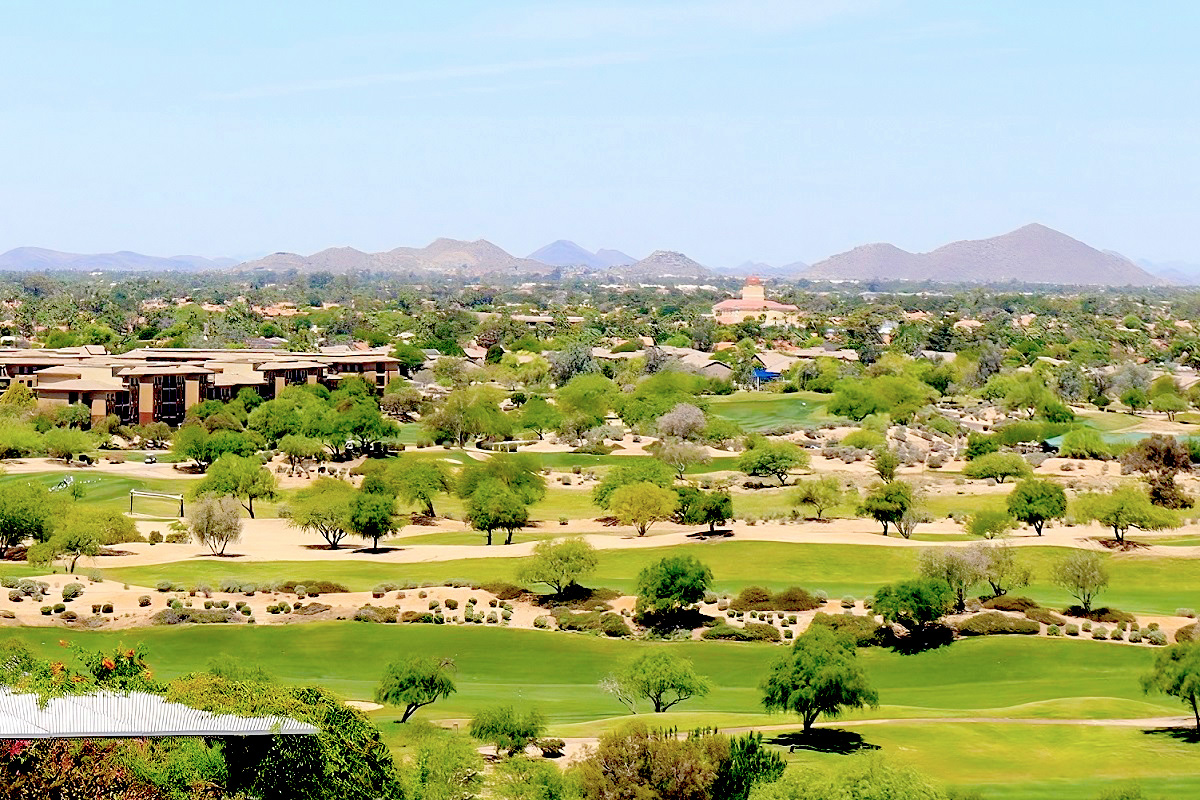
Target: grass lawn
(943,505)
(1110,422)
(110,491)
(1138,583)
(756,411)
(1038,762)
(999,677)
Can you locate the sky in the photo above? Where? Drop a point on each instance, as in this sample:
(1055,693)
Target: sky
(764,130)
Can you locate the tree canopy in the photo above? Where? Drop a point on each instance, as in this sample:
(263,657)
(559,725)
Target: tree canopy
(820,675)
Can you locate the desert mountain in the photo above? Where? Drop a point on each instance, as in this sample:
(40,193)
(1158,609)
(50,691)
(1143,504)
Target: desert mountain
(1032,254)
(446,256)
(564,253)
(31,259)
(664,264)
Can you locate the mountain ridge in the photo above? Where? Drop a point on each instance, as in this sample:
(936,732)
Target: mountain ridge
(1032,254)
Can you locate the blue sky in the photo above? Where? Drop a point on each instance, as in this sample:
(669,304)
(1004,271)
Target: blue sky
(774,130)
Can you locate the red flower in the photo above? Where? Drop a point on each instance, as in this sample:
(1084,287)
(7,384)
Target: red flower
(107,663)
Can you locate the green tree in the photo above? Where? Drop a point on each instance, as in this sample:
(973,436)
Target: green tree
(410,358)
(26,512)
(959,569)
(772,458)
(1083,575)
(821,494)
(660,677)
(1035,501)
(506,728)
(915,603)
(324,508)
(297,448)
(1160,458)
(820,675)
(887,503)
(238,476)
(681,455)
(639,470)
(415,683)
(559,564)
(1169,404)
(215,522)
(373,516)
(419,481)
(1176,673)
(493,506)
(18,397)
(998,466)
(191,441)
(641,505)
(989,523)
(886,464)
(863,776)
(696,507)
(539,416)
(517,472)
(72,542)
(668,585)
(66,443)
(1123,508)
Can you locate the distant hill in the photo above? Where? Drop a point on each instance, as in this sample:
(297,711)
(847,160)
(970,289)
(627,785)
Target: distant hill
(664,264)
(763,269)
(24,259)
(443,256)
(564,253)
(1184,273)
(1032,254)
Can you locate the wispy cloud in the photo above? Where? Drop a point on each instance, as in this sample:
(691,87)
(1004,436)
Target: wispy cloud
(432,75)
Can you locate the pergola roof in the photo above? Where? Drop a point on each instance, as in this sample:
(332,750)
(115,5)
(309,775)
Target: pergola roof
(106,715)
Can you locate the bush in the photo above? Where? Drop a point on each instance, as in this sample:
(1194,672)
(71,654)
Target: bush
(312,587)
(155,537)
(308,610)
(1155,637)
(1099,632)
(1006,603)
(1054,630)
(451,604)
(71,591)
(756,598)
(1190,613)
(370,613)
(68,616)
(177,537)
(1072,630)
(144,600)
(1135,636)
(865,631)
(551,748)
(107,608)
(46,611)
(503,591)
(417,616)
(179,616)
(991,623)
(15,596)
(542,622)
(1045,616)
(1109,615)
(1188,633)
(848,602)
(163,586)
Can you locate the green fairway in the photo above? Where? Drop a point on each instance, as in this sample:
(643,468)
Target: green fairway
(756,411)
(1110,421)
(941,506)
(559,672)
(1142,584)
(109,491)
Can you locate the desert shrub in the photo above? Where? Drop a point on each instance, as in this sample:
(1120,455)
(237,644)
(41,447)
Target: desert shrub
(848,602)
(312,587)
(1099,632)
(1072,630)
(1135,636)
(15,596)
(1007,603)
(310,609)
(1155,637)
(177,537)
(107,608)
(196,616)
(451,604)
(417,616)
(1054,630)
(1109,615)
(601,622)
(725,631)
(503,591)
(163,586)
(1185,612)
(1044,616)
(46,610)
(991,623)
(1087,626)
(68,616)
(865,631)
(756,598)
(144,600)
(370,613)
(1188,633)
(542,622)
(155,537)
(71,591)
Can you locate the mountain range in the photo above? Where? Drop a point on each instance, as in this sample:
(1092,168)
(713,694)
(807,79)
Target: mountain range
(33,259)
(564,253)
(1032,254)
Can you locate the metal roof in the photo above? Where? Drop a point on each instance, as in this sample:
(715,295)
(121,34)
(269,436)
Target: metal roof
(107,715)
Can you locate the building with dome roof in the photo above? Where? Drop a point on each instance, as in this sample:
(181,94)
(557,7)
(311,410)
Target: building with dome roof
(754,304)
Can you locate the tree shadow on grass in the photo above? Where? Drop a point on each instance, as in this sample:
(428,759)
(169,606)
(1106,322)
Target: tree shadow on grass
(1183,734)
(375,551)
(719,533)
(823,740)
(219,555)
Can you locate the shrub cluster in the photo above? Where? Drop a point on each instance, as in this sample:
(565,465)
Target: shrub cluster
(991,623)
(865,631)
(606,623)
(756,598)
(197,616)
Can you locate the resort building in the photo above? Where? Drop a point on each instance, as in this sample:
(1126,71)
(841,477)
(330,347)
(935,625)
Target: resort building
(754,304)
